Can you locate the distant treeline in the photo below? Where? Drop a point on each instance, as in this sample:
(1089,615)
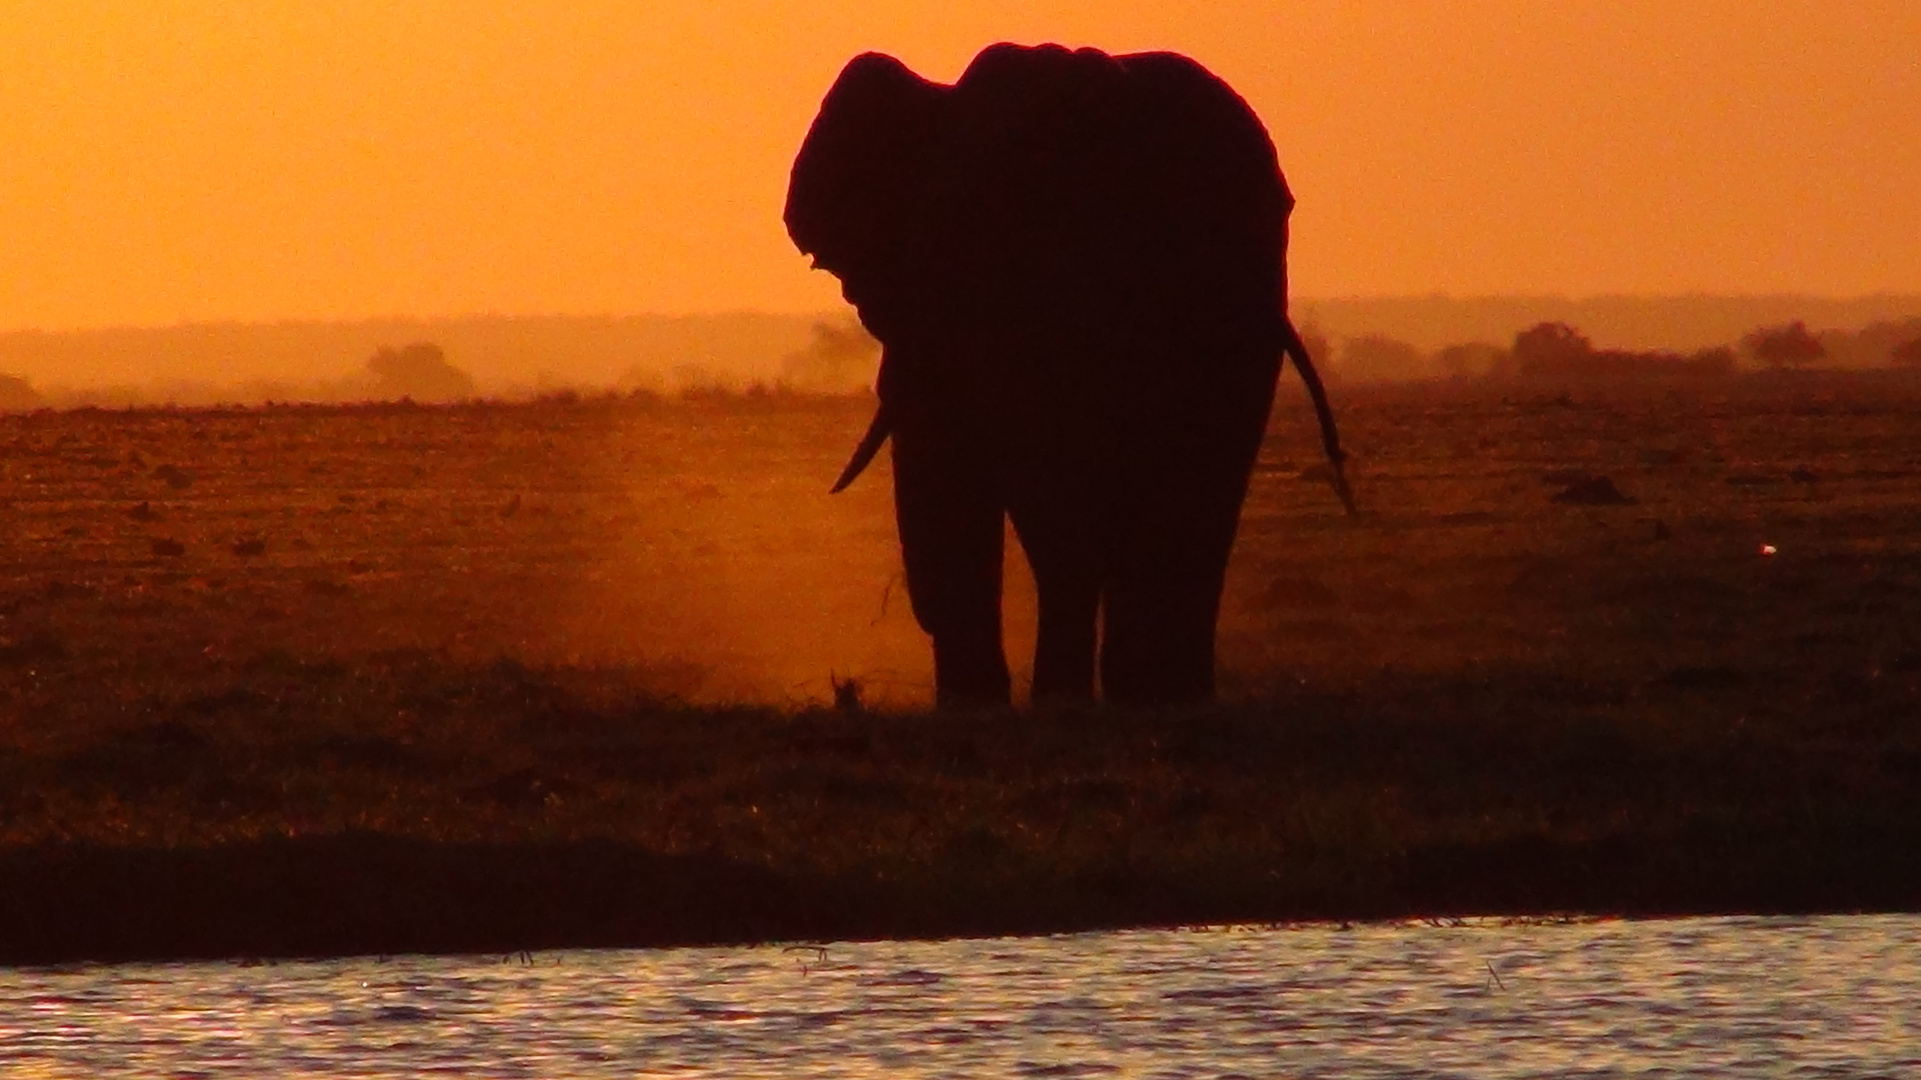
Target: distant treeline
(509,357)
(1680,323)
(327,361)
(1561,351)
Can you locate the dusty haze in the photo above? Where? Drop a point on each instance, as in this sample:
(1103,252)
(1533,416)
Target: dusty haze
(193,162)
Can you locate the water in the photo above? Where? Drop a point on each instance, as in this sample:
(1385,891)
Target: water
(1813,997)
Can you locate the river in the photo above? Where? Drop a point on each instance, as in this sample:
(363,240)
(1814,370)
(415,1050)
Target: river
(1723,997)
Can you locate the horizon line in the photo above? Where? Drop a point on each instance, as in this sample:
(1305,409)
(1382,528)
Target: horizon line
(817,313)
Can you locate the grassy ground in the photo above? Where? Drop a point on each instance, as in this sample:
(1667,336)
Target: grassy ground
(334,680)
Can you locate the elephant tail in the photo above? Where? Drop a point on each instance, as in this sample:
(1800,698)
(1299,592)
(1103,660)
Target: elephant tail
(870,444)
(1330,438)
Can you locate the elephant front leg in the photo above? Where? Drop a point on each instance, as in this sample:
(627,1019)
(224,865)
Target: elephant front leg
(949,514)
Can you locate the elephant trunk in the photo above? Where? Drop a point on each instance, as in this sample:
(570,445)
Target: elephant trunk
(1330,439)
(870,443)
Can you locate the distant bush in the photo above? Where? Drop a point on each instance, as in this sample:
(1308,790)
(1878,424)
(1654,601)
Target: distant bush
(1379,358)
(840,357)
(697,381)
(1551,348)
(1314,340)
(1871,346)
(1716,361)
(419,371)
(1473,360)
(18,395)
(1557,350)
(1784,346)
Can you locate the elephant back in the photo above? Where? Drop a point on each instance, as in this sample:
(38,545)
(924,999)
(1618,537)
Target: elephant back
(1116,203)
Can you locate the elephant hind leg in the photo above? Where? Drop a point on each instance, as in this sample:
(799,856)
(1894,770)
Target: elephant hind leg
(1064,647)
(1158,643)
(1065,558)
(1162,596)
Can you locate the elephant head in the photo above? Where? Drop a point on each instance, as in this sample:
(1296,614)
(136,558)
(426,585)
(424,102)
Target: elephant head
(857,197)
(859,202)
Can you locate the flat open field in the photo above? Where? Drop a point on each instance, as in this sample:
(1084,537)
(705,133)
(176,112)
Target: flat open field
(302,680)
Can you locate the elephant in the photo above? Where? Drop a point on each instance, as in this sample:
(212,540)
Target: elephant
(1075,264)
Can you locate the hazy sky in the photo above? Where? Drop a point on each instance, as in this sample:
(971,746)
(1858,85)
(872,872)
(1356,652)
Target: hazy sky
(265,159)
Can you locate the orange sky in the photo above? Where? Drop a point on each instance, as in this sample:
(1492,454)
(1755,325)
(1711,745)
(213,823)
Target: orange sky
(162,161)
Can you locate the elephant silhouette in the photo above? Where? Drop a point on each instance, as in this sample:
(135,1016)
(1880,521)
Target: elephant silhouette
(1075,264)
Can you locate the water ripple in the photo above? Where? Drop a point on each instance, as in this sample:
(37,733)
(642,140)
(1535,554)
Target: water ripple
(1700,997)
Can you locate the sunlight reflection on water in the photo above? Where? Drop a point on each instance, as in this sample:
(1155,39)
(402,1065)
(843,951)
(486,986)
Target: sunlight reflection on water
(1829,996)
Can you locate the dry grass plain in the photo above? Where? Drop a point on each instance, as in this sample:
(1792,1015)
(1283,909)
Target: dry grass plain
(305,680)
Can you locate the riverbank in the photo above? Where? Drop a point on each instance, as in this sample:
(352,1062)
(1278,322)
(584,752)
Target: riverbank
(512,811)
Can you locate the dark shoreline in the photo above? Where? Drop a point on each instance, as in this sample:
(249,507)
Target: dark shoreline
(373,895)
(276,819)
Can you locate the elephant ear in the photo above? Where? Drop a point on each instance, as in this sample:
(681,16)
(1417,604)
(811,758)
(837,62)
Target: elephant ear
(858,181)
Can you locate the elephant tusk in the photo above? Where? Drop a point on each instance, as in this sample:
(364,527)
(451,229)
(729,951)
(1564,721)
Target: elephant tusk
(1330,438)
(870,443)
